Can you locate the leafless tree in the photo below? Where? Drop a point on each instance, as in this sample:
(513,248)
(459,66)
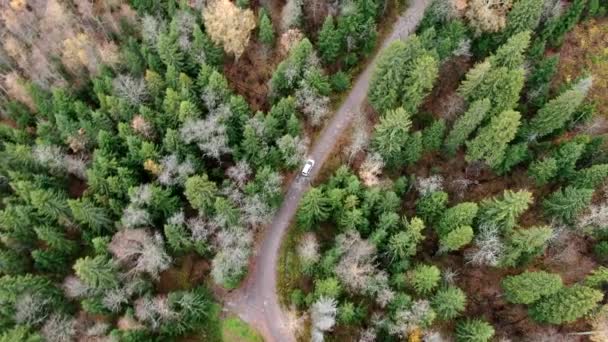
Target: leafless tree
(209,134)
(173,172)
(234,248)
(371,169)
(360,137)
(239,173)
(74,288)
(308,249)
(407,320)
(293,149)
(140,252)
(488,247)
(133,217)
(313,104)
(256,212)
(229,25)
(429,184)
(131,89)
(323,316)
(59,328)
(291,14)
(31,309)
(356,267)
(154,311)
(151,28)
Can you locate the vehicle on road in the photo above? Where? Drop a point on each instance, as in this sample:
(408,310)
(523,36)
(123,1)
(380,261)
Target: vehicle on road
(308,167)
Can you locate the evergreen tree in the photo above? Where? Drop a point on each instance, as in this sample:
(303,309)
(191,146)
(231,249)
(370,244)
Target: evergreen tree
(542,171)
(432,136)
(492,140)
(51,204)
(566,305)
(313,209)
(524,16)
(200,192)
(97,272)
(449,302)
(12,262)
(473,330)
(459,215)
(391,135)
(566,204)
(466,124)
(329,41)
(523,245)
(424,278)
(430,206)
(403,244)
(404,74)
(591,177)
(87,213)
(557,111)
(511,54)
(266,31)
(328,287)
(529,287)
(504,212)
(456,239)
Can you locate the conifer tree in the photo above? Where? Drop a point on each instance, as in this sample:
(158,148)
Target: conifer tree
(542,171)
(432,136)
(329,41)
(314,208)
(424,278)
(492,140)
(525,244)
(266,31)
(97,272)
(557,111)
(456,239)
(431,206)
(591,177)
(529,287)
(504,212)
(473,330)
(566,305)
(391,135)
(567,203)
(87,213)
(200,192)
(524,16)
(466,124)
(449,302)
(459,215)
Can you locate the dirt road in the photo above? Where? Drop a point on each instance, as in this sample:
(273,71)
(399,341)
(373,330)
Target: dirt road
(256,301)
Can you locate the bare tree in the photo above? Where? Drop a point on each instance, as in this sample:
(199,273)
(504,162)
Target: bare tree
(140,251)
(239,173)
(131,89)
(59,328)
(209,134)
(229,25)
(291,14)
(371,169)
(313,104)
(356,267)
(323,316)
(31,309)
(488,247)
(308,249)
(488,15)
(154,311)
(360,137)
(429,184)
(74,288)
(173,172)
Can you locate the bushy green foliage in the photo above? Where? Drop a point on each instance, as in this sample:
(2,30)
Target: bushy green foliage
(466,124)
(424,279)
(598,278)
(431,206)
(459,215)
(473,330)
(567,203)
(266,31)
(529,287)
(525,244)
(591,177)
(449,302)
(543,170)
(314,208)
(456,239)
(503,212)
(490,144)
(391,135)
(566,305)
(200,192)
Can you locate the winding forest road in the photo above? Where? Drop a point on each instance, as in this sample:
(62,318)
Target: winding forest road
(256,301)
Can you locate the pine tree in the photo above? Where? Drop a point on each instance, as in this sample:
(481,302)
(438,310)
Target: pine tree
(313,209)
(557,111)
(456,239)
(266,31)
(523,245)
(97,272)
(504,212)
(87,213)
(492,140)
(391,135)
(524,16)
(511,54)
(566,204)
(430,206)
(473,330)
(449,302)
(328,288)
(51,204)
(432,136)
(459,215)
(591,177)
(329,41)
(566,305)
(424,278)
(200,192)
(529,287)
(12,262)
(420,81)
(466,124)
(403,244)
(542,171)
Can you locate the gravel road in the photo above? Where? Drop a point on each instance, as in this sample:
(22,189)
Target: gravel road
(256,301)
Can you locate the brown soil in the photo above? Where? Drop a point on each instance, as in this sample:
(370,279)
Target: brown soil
(188,272)
(440,103)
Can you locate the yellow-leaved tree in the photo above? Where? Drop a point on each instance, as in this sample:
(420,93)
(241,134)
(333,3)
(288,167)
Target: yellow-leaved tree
(229,25)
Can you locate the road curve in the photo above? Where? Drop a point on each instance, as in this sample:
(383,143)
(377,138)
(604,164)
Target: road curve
(256,301)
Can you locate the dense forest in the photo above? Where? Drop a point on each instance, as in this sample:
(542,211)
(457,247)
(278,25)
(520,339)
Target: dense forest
(145,146)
